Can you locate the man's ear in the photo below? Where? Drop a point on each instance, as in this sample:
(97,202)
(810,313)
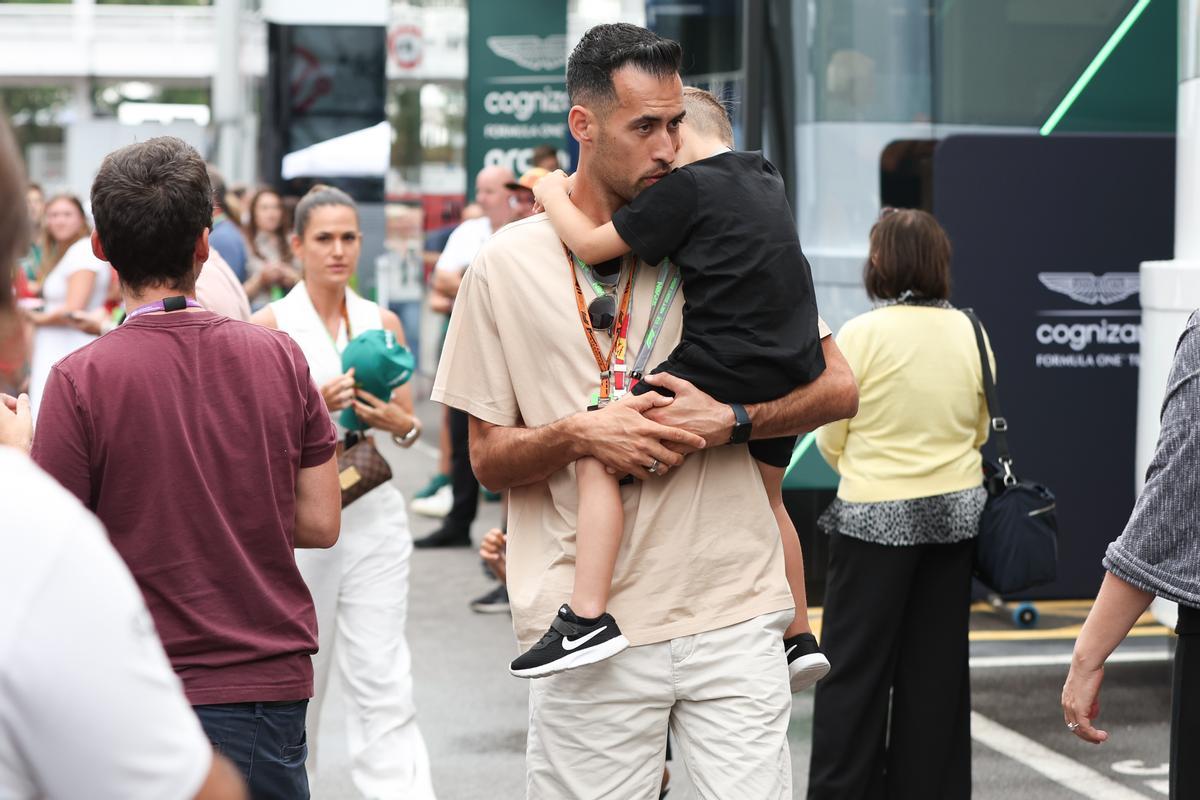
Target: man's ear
(582,124)
(200,254)
(97,247)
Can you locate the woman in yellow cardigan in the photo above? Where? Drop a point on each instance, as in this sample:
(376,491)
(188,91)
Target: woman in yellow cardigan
(892,718)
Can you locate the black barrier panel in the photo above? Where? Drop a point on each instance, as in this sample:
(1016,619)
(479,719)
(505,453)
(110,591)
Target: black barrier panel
(1048,235)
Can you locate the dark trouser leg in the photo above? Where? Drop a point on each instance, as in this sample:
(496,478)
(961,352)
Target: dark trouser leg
(265,741)
(1185,707)
(866,590)
(466,487)
(929,750)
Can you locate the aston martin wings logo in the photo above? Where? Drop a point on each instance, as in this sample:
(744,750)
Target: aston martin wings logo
(538,53)
(1086,287)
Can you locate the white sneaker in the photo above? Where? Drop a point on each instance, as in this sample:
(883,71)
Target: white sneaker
(436,505)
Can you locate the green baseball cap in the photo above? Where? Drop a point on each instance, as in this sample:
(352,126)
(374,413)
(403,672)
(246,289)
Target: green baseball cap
(380,365)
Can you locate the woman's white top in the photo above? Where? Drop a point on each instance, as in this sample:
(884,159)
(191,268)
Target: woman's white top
(54,342)
(296,316)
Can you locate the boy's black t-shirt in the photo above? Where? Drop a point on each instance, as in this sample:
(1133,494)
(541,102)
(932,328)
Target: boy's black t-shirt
(751,315)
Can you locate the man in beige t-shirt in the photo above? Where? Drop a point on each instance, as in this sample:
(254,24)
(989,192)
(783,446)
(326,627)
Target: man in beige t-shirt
(699,584)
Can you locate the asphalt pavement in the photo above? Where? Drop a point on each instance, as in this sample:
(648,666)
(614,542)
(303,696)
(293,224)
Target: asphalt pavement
(473,713)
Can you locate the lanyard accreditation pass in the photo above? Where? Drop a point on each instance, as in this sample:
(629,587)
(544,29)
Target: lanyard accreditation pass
(604,362)
(615,378)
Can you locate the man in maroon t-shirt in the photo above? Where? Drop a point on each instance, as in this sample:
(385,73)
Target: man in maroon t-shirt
(206,450)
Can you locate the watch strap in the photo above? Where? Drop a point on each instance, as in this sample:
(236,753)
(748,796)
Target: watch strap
(741,424)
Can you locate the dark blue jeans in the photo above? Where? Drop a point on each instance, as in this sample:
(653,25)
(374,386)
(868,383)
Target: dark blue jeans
(266,742)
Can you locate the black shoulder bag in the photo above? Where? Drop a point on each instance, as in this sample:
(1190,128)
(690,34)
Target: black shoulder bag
(1018,533)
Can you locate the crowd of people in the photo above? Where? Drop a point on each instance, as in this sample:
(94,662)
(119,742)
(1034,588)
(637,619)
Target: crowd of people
(204,573)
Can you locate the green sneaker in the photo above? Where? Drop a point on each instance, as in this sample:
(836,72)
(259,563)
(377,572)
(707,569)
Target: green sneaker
(436,482)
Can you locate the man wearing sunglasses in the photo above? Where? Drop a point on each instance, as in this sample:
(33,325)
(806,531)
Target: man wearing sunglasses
(699,583)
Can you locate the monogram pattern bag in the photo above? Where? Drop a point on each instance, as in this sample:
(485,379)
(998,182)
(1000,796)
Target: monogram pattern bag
(361,467)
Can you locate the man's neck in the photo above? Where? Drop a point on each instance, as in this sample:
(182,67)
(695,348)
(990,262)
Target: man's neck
(593,198)
(150,295)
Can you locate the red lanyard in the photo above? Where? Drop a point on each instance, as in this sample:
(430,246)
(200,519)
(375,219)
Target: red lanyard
(621,329)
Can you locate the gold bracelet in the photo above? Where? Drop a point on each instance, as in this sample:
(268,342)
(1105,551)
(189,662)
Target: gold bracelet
(413,434)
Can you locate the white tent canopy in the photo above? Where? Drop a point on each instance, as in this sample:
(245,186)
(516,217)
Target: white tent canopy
(360,154)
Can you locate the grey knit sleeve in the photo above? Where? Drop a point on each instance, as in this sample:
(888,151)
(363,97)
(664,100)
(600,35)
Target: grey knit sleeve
(1159,551)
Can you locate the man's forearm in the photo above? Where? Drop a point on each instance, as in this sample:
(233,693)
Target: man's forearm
(832,396)
(504,457)
(446,282)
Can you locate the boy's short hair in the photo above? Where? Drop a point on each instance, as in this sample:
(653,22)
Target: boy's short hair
(910,252)
(152,201)
(706,114)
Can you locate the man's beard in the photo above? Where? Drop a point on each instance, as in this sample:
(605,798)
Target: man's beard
(607,168)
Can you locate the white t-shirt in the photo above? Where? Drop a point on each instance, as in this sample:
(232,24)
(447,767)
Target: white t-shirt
(463,244)
(89,706)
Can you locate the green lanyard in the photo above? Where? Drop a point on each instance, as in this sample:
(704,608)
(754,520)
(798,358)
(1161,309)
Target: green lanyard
(666,286)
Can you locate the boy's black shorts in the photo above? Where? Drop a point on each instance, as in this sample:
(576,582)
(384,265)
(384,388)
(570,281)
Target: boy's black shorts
(751,383)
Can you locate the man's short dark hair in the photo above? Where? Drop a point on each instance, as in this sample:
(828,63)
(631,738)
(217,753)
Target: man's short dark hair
(151,201)
(604,49)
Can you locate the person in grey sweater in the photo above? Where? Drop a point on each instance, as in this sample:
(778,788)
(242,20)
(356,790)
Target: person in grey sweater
(1158,554)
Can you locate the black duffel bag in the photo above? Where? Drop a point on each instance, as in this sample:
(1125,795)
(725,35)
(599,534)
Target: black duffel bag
(1017,547)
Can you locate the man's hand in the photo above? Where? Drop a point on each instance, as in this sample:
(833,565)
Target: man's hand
(624,437)
(339,392)
(16,422)
(692,410)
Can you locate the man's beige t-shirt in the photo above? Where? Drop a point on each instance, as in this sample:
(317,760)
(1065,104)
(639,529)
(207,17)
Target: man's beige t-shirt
(700,550)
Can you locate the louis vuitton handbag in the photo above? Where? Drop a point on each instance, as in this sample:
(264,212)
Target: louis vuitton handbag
(361,467)
(1017,547)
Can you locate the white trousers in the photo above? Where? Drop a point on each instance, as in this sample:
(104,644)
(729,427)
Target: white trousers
(360,589)
(600,731)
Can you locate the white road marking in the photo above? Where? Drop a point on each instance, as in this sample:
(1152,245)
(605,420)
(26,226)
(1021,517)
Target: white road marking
(1063,659)
(1162,787)
(1062,770)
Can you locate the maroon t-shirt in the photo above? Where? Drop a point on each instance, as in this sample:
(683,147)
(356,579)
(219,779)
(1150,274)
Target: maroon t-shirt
(184,433)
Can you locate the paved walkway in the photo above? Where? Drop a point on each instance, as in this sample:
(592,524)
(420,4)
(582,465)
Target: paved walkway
(473,714)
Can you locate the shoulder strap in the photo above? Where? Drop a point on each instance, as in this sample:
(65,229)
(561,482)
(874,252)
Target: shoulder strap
(998,423)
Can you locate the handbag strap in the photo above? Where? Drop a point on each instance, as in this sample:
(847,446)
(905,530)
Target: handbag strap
(999,424)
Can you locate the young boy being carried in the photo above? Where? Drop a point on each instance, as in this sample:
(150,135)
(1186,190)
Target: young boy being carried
(750,334)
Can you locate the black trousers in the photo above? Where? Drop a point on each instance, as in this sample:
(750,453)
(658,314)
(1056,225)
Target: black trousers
(892,719)
(462,477)
(1185,707)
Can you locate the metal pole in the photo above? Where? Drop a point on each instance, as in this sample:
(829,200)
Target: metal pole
(226,89)
(753,35)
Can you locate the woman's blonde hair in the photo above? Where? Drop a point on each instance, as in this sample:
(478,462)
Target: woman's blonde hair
(52,251)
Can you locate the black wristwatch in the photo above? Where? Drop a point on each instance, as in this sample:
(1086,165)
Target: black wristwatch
(741,424)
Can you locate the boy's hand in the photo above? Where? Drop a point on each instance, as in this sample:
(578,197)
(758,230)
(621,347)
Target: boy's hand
(556,182)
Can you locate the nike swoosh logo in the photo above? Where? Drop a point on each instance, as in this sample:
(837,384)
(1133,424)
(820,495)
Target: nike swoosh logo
(571,645)
(788,654)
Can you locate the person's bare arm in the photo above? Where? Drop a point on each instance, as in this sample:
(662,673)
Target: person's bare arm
(79,289)
(318,506)
(619,435)
(832,396)
(446,282)
(594,244)
(1117,608)
(223,782)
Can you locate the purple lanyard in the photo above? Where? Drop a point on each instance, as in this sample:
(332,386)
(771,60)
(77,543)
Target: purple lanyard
(177,303)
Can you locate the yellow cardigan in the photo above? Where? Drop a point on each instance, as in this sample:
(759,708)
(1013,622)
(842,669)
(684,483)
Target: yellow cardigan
(921,416)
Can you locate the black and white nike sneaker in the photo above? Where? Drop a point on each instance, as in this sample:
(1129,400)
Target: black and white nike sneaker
(806,663)
(571,642)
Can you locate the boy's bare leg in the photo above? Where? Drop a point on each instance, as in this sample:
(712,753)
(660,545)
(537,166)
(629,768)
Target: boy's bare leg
(597,537)
(444,443)
(793,558)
